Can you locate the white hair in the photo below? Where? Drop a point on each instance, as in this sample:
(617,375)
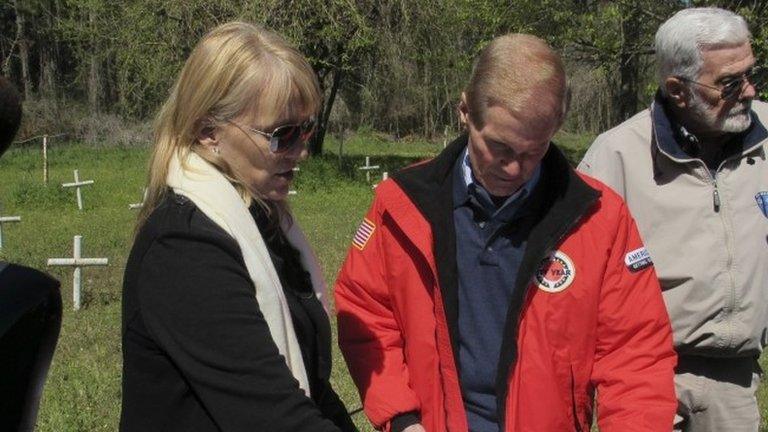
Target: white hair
(680,40)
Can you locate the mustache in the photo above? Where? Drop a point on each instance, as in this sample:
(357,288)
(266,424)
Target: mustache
(740,109)
(739,112)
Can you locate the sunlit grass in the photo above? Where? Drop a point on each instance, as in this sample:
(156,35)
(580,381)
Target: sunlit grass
(83,388)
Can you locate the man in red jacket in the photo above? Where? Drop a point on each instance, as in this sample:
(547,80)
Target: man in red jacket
(492,288)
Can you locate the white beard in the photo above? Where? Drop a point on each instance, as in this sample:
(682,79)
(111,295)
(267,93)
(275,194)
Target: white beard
(737,120)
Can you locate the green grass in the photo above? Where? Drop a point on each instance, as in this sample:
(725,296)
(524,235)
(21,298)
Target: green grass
(83,388)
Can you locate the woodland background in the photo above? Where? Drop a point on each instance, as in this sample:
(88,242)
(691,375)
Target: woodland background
(97,70)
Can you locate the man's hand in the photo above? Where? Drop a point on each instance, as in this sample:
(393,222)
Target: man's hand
(415,428)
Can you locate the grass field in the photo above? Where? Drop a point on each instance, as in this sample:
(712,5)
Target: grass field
(83,388)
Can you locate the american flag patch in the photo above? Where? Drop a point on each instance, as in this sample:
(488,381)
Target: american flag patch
(363,234)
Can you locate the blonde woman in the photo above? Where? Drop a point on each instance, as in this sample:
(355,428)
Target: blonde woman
(224,325)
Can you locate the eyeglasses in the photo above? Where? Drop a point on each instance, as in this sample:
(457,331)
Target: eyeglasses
(733,88)
(286,137)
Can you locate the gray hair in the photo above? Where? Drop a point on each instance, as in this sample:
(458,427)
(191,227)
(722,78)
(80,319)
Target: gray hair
(680,40)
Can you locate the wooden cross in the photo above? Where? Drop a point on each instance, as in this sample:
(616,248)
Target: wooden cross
(77,261)
(293,192)
(4,219)
(367,168)
(45,159)
(141,204)
(77,184)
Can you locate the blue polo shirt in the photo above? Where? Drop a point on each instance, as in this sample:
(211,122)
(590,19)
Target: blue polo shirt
(488,254)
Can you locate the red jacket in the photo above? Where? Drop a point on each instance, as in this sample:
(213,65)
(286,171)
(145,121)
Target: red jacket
(587,312)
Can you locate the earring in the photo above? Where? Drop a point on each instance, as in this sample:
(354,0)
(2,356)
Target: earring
(216,149)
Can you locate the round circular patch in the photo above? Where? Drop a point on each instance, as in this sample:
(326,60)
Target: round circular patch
(555,273)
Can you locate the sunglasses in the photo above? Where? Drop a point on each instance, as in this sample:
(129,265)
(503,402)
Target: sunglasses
(286,137)
(731,89)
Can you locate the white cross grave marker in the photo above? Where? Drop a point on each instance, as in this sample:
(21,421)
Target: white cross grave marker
(141,204)
(77,185)
(45,159)
(4,219)
(367,168)
(77,261)
(293,192)
(384,176)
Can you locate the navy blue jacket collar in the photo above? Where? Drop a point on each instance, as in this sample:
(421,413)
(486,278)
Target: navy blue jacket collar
(668,142)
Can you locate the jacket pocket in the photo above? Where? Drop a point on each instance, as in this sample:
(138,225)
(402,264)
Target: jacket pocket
(576,410)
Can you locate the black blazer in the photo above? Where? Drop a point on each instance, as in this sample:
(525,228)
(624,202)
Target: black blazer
(197,352)
(30,320)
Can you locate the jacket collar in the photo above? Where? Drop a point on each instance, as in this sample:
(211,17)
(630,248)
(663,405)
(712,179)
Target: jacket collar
(422,182)
(468,191)
(429,186)
(668,138)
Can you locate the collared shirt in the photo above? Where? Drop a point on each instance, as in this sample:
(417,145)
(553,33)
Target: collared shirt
(489,250)
(477,191)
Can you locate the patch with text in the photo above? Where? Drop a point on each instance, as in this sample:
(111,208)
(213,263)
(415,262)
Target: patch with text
(638,259)
(556,273)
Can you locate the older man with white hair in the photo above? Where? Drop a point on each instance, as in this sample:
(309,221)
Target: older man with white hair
(694,171)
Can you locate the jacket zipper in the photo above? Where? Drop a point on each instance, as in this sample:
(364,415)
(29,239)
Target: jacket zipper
(574,408)
(715,196)
(730,304)
(713,177)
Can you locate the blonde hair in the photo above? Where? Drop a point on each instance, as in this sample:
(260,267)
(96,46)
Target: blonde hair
(514,72)
(237,67)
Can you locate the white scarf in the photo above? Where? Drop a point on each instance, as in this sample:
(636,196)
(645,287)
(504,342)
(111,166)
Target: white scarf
(215,196)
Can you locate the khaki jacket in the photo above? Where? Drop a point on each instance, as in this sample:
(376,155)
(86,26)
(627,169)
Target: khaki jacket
(706,233)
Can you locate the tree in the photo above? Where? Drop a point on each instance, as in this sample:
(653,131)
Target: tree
(23,43)
(334,35)
(398,65)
